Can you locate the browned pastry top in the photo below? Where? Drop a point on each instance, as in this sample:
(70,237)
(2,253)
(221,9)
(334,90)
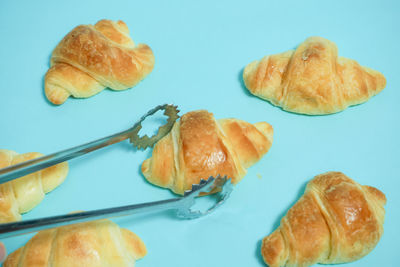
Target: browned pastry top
(88,48)
(91,244)
(312,79)
(91,58)
(199,146)
(204,153)
(351,207)
(336,220)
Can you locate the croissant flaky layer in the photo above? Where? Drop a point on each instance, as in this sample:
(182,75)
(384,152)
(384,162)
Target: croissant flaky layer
(312,79)
(93,57)
(337,220)
(199,146)
(93,244)
(23,194)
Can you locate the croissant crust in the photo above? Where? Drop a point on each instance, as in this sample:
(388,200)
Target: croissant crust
(92,244)
(91,58)
(199,146)
(337,220)
(312,79)
(23,194)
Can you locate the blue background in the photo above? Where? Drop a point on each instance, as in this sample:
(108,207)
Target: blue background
(201,49)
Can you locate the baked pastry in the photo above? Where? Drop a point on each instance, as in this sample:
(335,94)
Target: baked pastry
(312,79)
(91,58)
(23,194)
(336,220)
(92,244)
(199,146)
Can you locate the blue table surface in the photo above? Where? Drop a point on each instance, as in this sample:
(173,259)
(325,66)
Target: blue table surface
(201,49)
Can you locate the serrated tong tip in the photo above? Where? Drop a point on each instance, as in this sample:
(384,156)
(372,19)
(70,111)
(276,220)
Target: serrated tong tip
(143,142)
(220,186)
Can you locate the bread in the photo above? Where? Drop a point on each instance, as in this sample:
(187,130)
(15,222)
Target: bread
(23,194)
(91,58)
(312,79)
(199,146)
(336,221)
(93,244)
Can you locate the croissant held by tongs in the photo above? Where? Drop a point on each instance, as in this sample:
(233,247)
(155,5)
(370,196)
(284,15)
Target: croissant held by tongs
(201,146)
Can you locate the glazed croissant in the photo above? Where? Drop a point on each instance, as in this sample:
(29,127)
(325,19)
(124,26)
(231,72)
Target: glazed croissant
(91,58)
(336,220)
(312,79)
(23,194)
(93,244)
(199,146)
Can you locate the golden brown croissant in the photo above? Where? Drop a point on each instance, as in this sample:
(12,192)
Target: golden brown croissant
(23,194)
(198,146)
(336,220)
(91,58)
(92,244)
(312,79)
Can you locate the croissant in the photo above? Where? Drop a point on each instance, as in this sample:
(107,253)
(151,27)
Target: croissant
(199,146)
(312,79)
(93,244)
(91,58)
(23,194)
(336,220)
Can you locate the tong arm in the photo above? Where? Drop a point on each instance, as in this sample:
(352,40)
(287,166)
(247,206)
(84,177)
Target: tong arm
(30,166)
(24,227)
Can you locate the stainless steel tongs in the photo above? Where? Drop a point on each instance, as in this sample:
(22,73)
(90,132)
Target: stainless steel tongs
(221,185)
(182,205)
(30,166)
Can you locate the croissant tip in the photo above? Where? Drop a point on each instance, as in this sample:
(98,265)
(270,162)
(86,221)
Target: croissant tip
(56,101)
(266,129)
(248,76)
(377,194)
(145,166)
(55,94)
(272,249)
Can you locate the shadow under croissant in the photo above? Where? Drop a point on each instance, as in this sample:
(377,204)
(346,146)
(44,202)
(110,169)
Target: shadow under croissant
(277,223)
(258,253)
(241,81)
(283,213)
(44,93)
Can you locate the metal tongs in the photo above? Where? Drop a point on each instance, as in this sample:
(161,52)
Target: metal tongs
(30,166)
(221,185)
